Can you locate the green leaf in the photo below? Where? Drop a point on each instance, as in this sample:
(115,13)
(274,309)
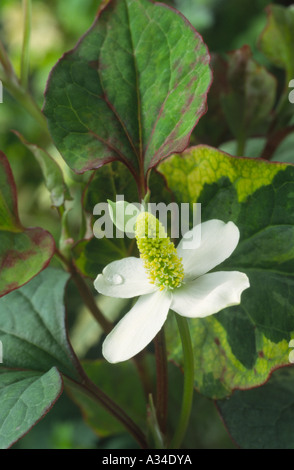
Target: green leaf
(51,171)
(32,326)
(276,41)
(205,429)
(107,377)
(262,418)
(240,346)
(108,182)
(86,332)
(91,256)
(23,252)
(213,126)
(131,90)
(284,152)
(253,147)
(248,95)
(25,398)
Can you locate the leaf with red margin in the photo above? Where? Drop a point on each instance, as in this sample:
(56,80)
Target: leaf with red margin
(23,252)
(26,397)
(249,95)
(132,89)
(262,418)
(241,99)
(241,345)
(276,40)
(35,352)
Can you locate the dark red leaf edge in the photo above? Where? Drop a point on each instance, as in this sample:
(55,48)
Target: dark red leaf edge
(222,418)
(274,368)
(91,166)
(46,411)
(203,110)
(11,183)
(7,168)
(269,14)
(75,361)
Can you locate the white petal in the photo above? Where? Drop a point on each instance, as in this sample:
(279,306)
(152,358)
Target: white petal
(137,328)
(217,239)
(124,214)
(209,293)
(125,279)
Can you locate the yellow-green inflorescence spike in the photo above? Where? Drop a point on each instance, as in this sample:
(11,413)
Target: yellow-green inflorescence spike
(158,252)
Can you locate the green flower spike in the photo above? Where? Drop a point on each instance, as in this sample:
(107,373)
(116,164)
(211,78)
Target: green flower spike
(161,262)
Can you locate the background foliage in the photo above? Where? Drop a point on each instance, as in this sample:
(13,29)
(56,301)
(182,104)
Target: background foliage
(236,122)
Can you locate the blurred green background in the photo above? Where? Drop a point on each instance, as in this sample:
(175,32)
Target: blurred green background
(56,26)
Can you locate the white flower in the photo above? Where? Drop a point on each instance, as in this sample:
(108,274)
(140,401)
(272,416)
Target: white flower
(197,294)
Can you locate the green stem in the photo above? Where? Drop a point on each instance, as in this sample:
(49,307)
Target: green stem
(25,99)
(6,64)
(284,100)
(89,300)
(143,372)
(155,436)
(188,382)
(161,380)
(12,84)
(25,56)
(86,294)
(241,145)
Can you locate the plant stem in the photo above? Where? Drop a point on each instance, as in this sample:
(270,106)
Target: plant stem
(156,438)
(6,64)
(86,294)
(89,300)
(25,56)
(161,380)
(143,372)
(274,141)
(31,107)
(90,389)
(22,96)
(188,382)
(241,145)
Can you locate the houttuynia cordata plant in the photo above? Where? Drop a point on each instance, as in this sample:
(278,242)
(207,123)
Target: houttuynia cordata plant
(146,224)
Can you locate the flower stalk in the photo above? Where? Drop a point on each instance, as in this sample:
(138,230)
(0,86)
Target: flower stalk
(90,389)
(161,380)
(25,56)
(188,382)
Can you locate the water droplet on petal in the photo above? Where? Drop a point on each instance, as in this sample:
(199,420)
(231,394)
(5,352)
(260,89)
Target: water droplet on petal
(116,279)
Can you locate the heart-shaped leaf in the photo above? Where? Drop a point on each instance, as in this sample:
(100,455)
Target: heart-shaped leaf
(23,252)
(276,41)
(248,95)
(262,418)
(240,346)
(25,398)
(32,326)
(131,90)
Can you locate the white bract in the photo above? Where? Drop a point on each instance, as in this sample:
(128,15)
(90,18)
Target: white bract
(166,278)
